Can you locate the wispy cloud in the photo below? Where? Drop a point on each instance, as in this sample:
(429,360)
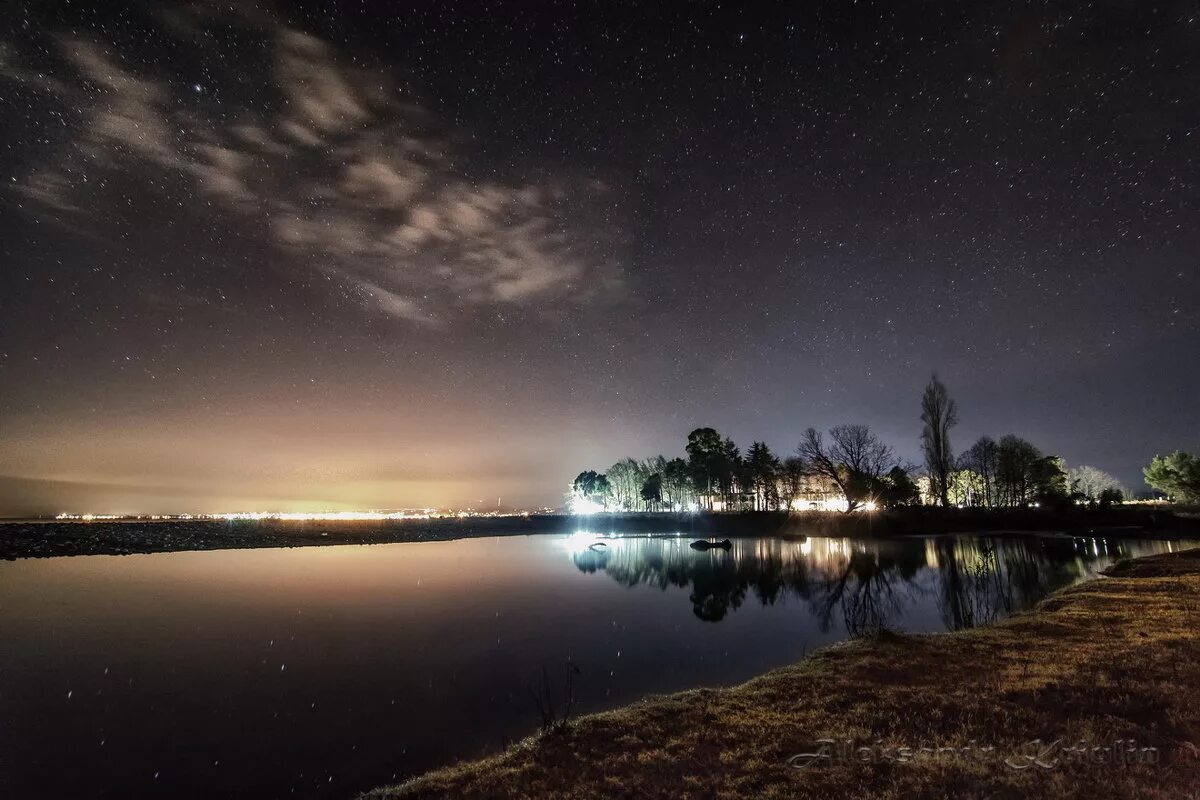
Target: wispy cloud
(338,167)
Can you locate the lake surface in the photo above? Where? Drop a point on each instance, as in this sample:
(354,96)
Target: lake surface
(323,671)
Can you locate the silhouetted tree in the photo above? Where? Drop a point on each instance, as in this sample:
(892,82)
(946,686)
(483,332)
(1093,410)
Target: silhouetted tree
(706,453)
(854,461)
(940,414)
(677,483)
(651,493)
(1015,464)
(711,460)
(982,459)
(763,471)
(792,477)
(899,489)
(592,486)
(1049,480)
(733,470)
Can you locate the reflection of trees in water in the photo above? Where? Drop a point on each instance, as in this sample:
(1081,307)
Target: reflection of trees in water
(592,559)
(834,575)
(868,585)
(975,586)
(719,580)
(986,579)
(870,590)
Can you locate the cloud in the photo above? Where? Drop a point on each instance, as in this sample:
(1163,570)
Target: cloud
(395,304)
(333,164)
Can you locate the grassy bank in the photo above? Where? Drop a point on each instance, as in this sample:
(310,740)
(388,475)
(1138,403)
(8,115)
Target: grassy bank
(1116,658)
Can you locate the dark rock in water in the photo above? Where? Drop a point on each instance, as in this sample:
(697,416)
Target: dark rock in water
(701,544)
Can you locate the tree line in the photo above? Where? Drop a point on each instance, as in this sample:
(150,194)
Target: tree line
(849,467)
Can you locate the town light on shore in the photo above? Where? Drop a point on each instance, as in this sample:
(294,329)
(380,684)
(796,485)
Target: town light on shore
(328,516)
(301,516)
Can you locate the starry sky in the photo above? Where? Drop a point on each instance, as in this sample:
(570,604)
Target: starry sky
(333,255)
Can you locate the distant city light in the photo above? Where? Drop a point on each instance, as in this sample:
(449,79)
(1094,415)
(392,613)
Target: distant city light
(329,516)
(305,516)
(88,517)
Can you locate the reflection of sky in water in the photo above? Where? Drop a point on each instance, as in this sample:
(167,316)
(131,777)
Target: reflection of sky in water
(327,670)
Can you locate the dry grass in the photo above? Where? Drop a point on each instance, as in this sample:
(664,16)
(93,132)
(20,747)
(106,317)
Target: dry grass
(1111,659)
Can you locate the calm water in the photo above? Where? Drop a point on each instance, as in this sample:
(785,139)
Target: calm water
(319,672)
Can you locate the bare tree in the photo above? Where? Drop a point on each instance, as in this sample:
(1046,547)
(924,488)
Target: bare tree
(939,413)
(982,460)
(854,461)
(1091,482)
(554,719)
(791,480)
(626,483)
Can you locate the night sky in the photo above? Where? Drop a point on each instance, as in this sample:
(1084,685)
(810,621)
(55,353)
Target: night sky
(352,255)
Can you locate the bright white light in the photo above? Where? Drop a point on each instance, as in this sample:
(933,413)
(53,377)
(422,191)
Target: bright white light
(827,504)
(581,541)
(581,505)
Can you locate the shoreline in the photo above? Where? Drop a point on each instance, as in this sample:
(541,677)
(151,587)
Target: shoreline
(51,538)
(1105,673)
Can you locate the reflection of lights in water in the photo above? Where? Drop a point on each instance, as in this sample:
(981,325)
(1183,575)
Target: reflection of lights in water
(931,554)
(806,546)
(580,541)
